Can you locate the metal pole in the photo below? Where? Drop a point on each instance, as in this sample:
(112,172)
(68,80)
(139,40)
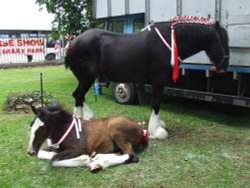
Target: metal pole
(147,12)
(41,89)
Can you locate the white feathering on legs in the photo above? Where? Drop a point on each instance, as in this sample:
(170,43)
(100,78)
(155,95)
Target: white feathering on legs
(78,111)
(155,127)
(49,142)
(83,112)
(87,113)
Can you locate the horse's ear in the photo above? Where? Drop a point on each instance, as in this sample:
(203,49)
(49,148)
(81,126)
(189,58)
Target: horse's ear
(33,108)
(31,102)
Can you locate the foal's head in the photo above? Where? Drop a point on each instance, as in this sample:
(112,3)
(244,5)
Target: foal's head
(218,47)
(41,126)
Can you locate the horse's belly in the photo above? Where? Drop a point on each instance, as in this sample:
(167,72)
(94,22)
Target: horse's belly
(124,62)
(124,72)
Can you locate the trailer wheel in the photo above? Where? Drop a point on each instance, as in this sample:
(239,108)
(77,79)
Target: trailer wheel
(123,93)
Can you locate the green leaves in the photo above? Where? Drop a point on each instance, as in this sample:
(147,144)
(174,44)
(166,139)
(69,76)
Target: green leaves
(71,16)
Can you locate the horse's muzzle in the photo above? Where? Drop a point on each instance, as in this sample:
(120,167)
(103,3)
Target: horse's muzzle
(222,70)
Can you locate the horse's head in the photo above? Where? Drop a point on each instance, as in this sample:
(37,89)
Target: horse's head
(40,127)
(218,48)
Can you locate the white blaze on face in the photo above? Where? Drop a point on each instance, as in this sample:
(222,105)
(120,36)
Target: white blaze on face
(37,123)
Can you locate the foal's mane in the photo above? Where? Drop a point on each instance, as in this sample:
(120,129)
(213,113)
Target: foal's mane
(53,107)
(64,115)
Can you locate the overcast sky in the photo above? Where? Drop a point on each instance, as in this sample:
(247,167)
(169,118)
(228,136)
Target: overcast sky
(23,14)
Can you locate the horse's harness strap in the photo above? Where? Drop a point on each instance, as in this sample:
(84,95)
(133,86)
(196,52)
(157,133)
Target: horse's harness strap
(164,41)
(222,49)
(75,122)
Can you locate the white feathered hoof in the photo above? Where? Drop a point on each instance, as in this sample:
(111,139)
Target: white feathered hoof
(163,124)
(159,133)
(156,127)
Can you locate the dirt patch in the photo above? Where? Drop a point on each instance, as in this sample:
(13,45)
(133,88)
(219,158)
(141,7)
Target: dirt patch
(18,102)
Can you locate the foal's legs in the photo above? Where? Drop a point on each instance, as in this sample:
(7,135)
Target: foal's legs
(101,161)
(126,147)
(81,161)
(156,125)
(45,155)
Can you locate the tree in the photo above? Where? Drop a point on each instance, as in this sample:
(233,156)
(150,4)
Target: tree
(71,16)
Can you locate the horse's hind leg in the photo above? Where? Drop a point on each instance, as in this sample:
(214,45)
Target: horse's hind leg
(155,127)
(126,148)
(81,108)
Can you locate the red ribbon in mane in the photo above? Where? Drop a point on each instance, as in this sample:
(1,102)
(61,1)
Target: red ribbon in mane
(174,55)
(174,52)
(174,49)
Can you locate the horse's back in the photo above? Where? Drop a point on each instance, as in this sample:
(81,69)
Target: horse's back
(96,135)
(101,133)
(122,126)
(83,47)
(120,57)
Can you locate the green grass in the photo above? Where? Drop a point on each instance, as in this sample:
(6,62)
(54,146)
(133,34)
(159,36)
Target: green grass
(209,144)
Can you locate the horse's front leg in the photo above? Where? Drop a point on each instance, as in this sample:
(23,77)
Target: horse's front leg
(155,127)
(102,161)
(81,109)
(68,158)
(81,161)
(46,155)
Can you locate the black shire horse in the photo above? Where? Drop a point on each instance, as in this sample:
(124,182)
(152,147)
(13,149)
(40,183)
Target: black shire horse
(141,58)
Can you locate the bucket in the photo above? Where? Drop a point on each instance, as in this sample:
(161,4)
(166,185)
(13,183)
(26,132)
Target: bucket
(97,89)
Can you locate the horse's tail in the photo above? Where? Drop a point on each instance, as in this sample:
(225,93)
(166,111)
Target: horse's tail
(67,59)
(69,56)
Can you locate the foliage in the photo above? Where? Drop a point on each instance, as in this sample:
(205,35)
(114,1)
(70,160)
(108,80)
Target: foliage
(18,101)
(71,16)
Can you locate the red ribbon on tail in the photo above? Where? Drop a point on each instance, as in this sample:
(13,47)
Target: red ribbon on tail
(174,55)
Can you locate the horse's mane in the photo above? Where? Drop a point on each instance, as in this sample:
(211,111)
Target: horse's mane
(192,19)
(53,107)
(56,107)
(200,20)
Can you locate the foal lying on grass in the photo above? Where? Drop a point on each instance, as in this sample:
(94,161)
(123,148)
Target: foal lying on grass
(75,141)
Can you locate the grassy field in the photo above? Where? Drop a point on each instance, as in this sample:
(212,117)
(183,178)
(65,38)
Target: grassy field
(209,144)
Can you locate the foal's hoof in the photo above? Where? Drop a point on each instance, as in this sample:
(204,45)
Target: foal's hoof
(132,159)
(96,168)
